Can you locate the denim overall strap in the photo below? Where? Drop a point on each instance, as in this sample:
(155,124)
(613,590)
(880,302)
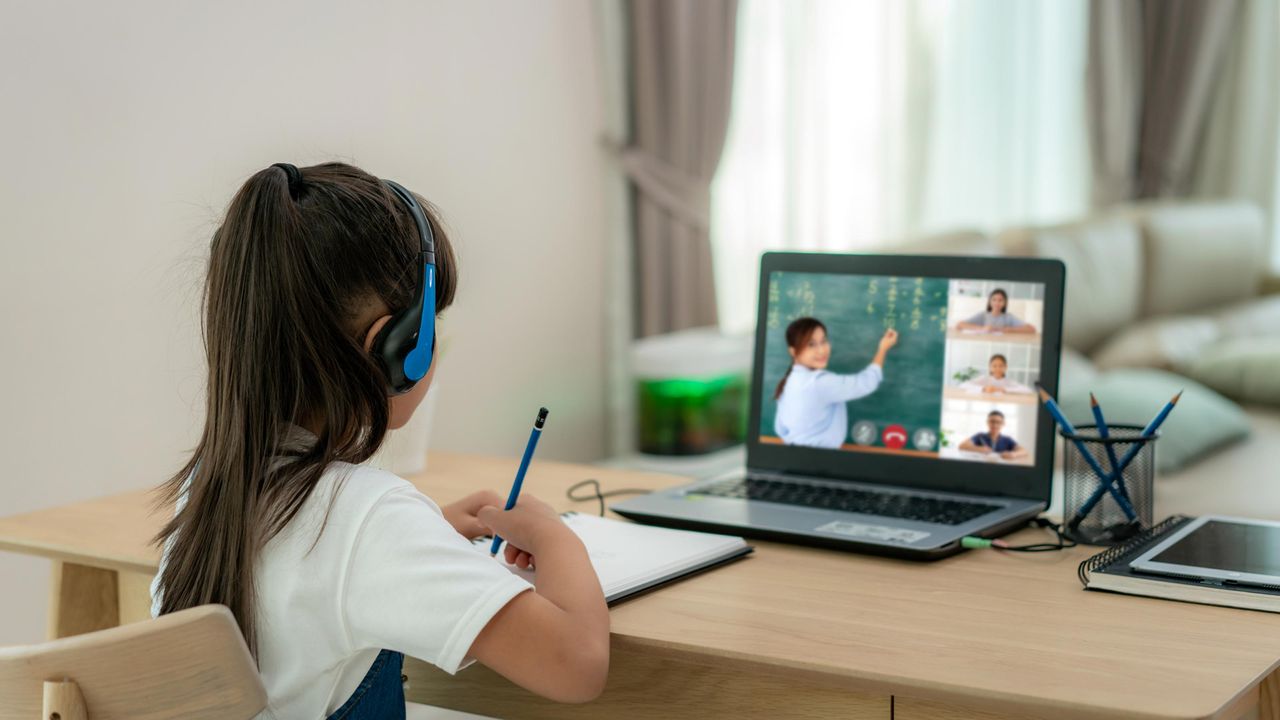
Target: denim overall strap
(379,695)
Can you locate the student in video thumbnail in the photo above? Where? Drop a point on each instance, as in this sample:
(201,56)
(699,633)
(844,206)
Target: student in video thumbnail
(996,317)
(811,400)
(993,442)
(995,380)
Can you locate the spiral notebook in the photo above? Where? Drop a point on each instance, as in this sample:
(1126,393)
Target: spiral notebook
(631,559)
(1110,571)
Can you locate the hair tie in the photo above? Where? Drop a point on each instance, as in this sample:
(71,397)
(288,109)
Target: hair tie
(295,178)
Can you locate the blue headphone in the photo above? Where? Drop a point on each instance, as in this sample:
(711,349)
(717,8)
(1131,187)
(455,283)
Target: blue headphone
(404,347)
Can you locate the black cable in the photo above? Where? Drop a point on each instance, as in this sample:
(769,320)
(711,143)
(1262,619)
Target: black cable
(1063,542)
(597,494)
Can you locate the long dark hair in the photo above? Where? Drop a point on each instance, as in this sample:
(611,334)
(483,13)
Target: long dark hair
(1002,294)
(798,334)
(288,277)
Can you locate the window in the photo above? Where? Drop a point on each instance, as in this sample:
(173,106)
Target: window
(858,124)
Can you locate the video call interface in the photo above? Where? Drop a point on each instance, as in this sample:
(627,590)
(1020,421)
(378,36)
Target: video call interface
(961,359)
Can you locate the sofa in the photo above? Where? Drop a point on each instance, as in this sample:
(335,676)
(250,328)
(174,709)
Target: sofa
(1183,288)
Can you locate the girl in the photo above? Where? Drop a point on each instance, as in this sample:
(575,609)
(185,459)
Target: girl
(995,318)
(995,380)
(334,568)
(811,401)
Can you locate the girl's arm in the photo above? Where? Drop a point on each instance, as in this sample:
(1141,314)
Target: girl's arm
(555,641)
(462,514)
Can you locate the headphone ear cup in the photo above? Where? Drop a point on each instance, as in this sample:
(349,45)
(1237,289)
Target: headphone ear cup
(391,346)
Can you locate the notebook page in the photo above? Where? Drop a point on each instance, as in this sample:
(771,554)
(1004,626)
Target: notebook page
(629,555)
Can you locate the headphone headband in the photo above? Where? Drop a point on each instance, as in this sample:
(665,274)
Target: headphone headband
(405,347)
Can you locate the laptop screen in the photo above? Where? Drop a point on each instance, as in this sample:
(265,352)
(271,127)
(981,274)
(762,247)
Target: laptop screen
(940,368)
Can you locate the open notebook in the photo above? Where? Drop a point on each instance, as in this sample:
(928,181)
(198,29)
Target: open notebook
(630,558)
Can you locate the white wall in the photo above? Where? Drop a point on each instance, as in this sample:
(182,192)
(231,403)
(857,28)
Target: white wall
(126,127)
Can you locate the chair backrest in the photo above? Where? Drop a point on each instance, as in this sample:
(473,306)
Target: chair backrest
(188,664)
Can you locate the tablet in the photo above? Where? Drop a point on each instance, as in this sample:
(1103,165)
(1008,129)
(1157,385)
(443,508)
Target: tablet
(1218,549)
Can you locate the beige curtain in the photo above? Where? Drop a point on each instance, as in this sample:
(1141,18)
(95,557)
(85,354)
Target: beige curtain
(1153,67)
(681,77)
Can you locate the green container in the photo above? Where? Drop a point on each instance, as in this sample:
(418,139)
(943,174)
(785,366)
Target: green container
(691,392)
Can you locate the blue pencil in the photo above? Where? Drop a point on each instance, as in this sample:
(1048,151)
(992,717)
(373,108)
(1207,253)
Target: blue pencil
(1147,432)
(524,465)
(1121,500)
(1104,432)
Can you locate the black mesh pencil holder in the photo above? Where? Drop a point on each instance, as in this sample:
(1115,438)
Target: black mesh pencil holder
(1099,519)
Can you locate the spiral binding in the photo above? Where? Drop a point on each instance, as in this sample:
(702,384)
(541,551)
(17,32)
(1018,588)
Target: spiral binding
(1137,542)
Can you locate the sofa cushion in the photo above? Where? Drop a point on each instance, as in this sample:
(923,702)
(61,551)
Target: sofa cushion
(1258,317)
(1175,343)
(1247,369)
(1164,343)
(1075,370)
(1199,255)
(1202,422)
(1104,263)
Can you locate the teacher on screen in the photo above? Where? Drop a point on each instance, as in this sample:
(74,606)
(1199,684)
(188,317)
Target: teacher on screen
(811,400)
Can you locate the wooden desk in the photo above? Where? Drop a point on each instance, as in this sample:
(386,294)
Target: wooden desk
(790,631)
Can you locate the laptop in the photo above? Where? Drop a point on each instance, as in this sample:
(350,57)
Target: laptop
(945,438)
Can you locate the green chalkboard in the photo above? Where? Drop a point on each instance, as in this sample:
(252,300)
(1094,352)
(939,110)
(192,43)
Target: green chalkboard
(856,310)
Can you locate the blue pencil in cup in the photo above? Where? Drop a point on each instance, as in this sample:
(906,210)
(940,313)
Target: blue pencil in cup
(524,466)
(1147,432)
(1104,432)
(1106,481)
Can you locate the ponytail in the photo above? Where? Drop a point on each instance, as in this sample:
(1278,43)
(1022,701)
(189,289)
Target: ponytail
(783,382)
(798,334)
(297,256)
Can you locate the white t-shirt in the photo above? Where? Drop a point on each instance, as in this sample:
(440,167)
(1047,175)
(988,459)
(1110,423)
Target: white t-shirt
(388,571)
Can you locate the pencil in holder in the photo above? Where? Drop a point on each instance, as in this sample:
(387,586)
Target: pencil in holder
(1104,521)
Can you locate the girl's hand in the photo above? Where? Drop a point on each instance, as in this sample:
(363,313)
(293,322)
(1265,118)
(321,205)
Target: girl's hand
(889,339)
(525,528)
(462,514)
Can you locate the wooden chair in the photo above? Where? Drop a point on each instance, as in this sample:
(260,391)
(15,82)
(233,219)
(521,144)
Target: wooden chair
(189,664)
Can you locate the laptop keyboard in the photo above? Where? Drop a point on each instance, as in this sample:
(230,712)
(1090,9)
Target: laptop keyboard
(867,502)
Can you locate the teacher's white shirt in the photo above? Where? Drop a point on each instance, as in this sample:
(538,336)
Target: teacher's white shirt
(811,409)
